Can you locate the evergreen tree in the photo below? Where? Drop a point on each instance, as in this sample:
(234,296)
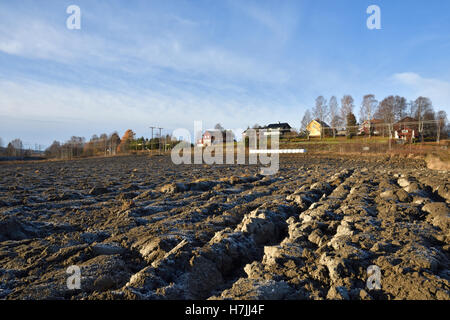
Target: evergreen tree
(351,125)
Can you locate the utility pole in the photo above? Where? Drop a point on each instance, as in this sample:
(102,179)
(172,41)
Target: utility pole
(165,143)
(151,141)
(159,144)
(438,130)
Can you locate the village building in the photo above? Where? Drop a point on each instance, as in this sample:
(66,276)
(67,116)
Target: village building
(317,127)
(406,129)
(210,137)
(340,131)
(279,128)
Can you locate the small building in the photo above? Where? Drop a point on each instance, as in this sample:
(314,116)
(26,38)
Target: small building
(210,137)
(316,127)
(341,131)
(279,128)
(406,129)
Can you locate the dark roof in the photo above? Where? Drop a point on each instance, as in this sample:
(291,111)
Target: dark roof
(278,125)
(322,123)
(281,126)
(215,132)
(407,119)
(373,121)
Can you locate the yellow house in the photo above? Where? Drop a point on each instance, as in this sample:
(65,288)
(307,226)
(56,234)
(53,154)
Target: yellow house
(315,127)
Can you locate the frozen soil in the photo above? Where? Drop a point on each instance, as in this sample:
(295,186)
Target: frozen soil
(141,227)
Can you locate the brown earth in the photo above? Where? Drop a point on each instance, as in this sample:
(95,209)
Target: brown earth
(143,228)
(438,161)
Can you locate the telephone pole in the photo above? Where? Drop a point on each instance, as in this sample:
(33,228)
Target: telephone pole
(151,141)
(159,144)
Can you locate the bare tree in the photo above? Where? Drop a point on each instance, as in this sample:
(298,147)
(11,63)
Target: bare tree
(385,111)
(305,121)
(218,126)
(73,147)
(423,109)
(17,143)
(367,110)
(346,106)
(400,106)
(337,123)
(320,112)
(89,148)
(442,116)
(114,142)
(17,146)
(410,112)
(103,143)
(335,119)
(441,123)
(10,150)
(54,151)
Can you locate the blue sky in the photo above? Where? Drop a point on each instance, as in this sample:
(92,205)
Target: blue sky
(238,62)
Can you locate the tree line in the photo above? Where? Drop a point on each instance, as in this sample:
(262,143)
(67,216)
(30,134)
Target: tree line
(388,111)
(98,145)
(14,148)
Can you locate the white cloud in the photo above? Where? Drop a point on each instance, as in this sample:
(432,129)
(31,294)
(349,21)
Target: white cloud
(415,85)
(32,38)
(206,60)
(36,104)
(280,19)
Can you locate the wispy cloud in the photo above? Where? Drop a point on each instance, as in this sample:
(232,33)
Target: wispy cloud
(140,53)
(93,108)
(116,83)
(234,62)
(280,19)
(416,85)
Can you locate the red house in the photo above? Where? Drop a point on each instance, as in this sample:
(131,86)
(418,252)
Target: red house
(406,129)
(210,137)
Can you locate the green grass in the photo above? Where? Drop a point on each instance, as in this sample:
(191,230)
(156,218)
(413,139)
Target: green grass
(339,140)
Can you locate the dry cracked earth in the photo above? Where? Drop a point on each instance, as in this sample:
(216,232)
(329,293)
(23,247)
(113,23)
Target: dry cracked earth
(141,227)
